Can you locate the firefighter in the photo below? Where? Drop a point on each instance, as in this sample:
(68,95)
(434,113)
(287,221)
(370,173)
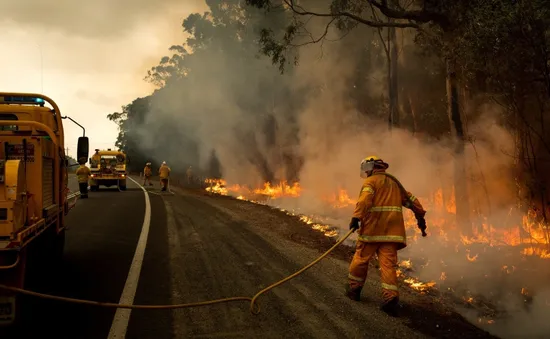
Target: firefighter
(147,173)
(83,174)
(189,175)
(96,158)
(164,173)
(378,218)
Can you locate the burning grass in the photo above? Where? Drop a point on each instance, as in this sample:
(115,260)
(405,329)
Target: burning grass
(531,238)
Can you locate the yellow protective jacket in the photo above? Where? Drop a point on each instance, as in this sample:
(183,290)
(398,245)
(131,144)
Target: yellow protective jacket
(164,172)
(83,173)
(379,208)
(96,158)
(147,171)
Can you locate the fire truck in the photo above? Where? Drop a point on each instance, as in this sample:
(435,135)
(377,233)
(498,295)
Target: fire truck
(34,197)
(108,169)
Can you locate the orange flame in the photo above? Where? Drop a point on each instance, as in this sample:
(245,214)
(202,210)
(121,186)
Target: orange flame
(531,234)
(280,190)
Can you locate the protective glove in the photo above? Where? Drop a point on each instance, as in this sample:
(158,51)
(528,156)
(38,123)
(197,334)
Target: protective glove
(354,224)
(421,224)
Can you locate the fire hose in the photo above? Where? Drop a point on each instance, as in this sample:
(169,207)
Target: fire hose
(254,307)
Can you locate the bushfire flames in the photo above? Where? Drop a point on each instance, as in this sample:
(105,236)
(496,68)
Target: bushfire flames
(529,239)
(535,235)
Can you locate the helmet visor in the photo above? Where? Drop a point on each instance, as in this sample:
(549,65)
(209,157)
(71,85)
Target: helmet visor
(366,166)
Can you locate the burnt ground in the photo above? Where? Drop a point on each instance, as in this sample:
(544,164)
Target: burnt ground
(427,315)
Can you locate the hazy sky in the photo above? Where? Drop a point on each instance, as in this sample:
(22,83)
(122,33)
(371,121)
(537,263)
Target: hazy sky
(90,57)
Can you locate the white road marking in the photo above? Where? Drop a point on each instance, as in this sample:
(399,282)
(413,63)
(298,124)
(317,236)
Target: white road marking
(122,315)
(161,193)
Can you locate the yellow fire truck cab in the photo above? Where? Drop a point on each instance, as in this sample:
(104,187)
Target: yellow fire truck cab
(108,169)
(34,197)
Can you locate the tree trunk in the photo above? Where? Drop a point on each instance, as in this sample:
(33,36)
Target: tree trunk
(388,76)
(393,80)
(410,105)
(457,129)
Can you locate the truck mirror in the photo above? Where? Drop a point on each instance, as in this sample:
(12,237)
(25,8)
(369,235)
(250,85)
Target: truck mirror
(83,148)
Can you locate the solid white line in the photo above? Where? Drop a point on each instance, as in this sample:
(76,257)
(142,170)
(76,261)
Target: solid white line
(122,315)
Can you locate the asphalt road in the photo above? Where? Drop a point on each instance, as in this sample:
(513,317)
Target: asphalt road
(99,248)
(197,249)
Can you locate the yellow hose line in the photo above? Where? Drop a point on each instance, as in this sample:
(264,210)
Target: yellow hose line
(254,307)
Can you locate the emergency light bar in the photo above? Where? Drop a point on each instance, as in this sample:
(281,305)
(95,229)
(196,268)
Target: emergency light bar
(22,100)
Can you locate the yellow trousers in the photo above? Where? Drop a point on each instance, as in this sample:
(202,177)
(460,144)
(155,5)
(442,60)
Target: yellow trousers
(387,256)
(164,183)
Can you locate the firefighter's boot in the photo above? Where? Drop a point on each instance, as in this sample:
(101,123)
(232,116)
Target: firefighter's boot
(353,293)
(391,307)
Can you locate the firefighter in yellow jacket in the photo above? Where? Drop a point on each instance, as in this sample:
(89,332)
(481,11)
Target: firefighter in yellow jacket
(96,159)
(164,173)
(83,174)
(378,218)
(147,173)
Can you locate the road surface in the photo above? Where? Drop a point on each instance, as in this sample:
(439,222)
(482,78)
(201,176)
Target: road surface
(200,247)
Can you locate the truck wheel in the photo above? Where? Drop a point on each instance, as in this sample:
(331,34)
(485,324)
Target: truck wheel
(94,188)
(123,188)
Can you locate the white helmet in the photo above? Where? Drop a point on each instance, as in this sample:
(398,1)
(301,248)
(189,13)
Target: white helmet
(164,162)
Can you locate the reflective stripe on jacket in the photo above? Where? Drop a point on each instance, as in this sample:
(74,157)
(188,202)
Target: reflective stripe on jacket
(379,208)
(83,173)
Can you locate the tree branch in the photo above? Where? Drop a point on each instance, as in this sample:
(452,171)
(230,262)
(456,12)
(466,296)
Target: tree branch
(313,40)
(301,11)
(422,16)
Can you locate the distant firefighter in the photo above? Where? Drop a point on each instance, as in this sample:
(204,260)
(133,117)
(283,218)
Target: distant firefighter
(164,173)
(147,173)
(96,158)
(378,217)
(83,174)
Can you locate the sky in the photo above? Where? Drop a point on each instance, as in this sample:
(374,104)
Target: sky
(89,57)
